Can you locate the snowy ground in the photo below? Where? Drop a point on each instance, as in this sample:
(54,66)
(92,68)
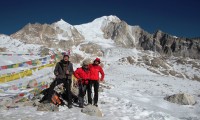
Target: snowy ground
(135,94)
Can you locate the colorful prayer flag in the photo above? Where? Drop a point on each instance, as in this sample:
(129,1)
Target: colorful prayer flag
(29,62)
(4,67)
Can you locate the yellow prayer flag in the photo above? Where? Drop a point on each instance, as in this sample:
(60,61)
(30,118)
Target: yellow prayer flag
(8,78)
(15,65)
(22,74)
(2,79)
(15,76)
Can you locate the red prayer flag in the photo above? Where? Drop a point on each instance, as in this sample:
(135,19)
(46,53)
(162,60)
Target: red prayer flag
(29,62)
(4,67)
(53,57)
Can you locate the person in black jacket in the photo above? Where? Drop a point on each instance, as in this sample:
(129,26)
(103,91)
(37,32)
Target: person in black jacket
(63,72)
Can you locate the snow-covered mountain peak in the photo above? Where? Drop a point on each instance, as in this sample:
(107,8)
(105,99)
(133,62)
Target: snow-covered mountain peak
(62,24)
(110,18)
(101,21)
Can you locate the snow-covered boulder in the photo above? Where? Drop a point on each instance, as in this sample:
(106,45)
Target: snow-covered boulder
(47,107)
(182,99)
(92,111)
(127,60)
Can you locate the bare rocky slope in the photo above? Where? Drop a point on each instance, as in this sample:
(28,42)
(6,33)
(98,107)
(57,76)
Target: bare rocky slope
(51,36)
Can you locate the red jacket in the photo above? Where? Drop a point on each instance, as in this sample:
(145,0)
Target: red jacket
(94,72)
(80,73)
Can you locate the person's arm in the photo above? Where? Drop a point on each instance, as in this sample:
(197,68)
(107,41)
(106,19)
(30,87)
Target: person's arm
(102,73)
(71,69)
(76,74)
(56,69)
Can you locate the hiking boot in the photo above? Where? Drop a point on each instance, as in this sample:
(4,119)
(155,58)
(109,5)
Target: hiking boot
(89,104)
(81,106)
(95,104)
(70,106)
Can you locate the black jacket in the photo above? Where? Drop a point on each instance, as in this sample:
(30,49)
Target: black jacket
(60,73)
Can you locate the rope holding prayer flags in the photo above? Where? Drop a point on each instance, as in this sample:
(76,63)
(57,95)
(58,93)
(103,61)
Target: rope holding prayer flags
(14,76)
(9,54)
(30,62)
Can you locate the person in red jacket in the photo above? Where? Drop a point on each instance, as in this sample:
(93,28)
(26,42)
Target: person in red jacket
(95,69)
(83,75)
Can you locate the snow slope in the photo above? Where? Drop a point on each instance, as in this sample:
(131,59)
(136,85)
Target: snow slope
(92,31)
(135,94)
(14,45)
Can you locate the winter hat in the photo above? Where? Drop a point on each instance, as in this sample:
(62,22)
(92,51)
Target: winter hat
(98,60)
(65,56)
(86,62)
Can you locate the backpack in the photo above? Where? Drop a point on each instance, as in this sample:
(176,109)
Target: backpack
(56,99)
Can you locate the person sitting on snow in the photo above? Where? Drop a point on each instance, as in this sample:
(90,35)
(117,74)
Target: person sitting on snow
(83,75)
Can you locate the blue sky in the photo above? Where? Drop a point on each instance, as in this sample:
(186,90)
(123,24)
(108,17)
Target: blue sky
(176,17)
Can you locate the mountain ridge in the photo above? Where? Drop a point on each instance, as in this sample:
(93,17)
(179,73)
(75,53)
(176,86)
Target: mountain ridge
(111,29)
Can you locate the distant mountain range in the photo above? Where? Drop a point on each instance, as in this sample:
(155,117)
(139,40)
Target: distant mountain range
(109,29)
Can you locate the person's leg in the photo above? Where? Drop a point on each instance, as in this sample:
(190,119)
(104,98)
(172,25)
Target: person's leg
(80,95)
(51,89)
(89,92)
(68,90)
(45,93)
(96,88)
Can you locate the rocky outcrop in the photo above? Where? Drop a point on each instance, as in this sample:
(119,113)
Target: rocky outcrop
(182,99)
(44,51)
(35,34)
(120,32)
(2,49)
(169,45)
(178,46)
(147,42)
(157,62)
(92,48)
(127,60)
(76,58)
